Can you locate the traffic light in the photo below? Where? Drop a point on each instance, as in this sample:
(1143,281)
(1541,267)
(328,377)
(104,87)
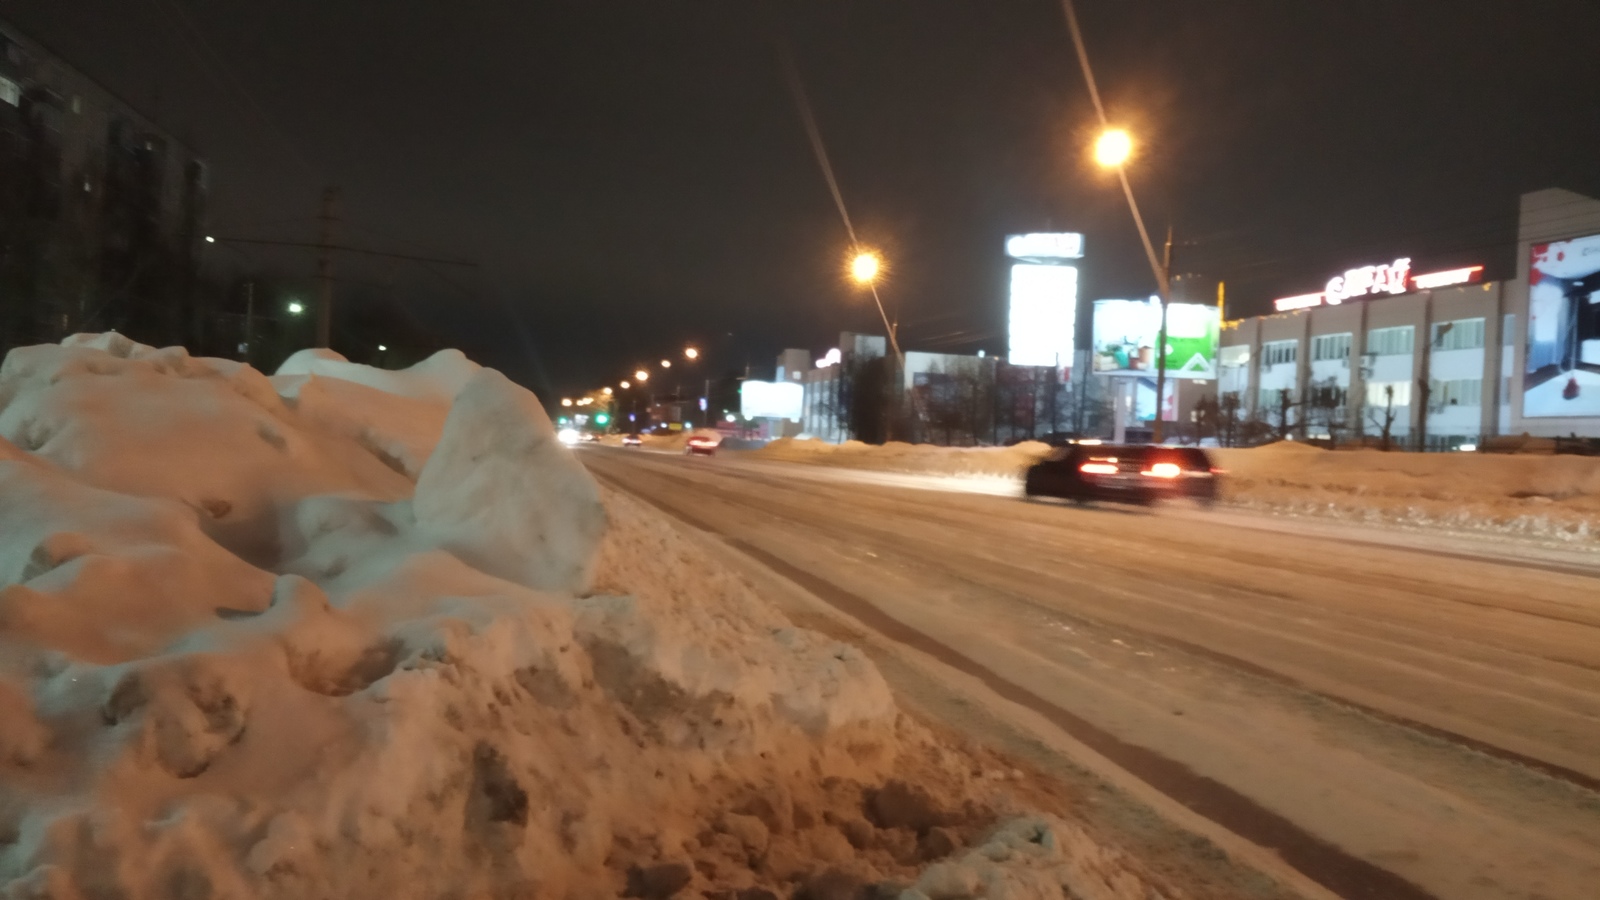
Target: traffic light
(561,421)
(602,419)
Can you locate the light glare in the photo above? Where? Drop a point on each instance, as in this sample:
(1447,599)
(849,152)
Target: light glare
(1113,148)
(865,267)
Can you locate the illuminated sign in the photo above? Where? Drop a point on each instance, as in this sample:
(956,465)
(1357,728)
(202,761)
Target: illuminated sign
(1445,279)
(1044,312)
(831,358)
(1061,245)
(1366,281)
(1126,331)
(770,399)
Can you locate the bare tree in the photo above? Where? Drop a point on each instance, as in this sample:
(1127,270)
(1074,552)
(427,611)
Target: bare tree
(1384,420)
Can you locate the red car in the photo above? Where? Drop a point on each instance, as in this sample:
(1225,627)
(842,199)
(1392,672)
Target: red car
(701,446)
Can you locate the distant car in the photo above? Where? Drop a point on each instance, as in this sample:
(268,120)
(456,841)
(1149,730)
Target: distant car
(701,446)
(632,440)
(1124,473)
(588,437)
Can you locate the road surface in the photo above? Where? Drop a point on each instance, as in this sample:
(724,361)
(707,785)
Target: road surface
(1394,714)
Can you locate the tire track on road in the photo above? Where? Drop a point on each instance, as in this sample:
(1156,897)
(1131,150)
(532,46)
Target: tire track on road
(1316,858)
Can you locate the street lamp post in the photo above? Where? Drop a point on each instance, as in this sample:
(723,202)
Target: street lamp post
(1112,150)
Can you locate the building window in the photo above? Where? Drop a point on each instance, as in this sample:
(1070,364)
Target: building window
(1461,334)
(1376,393)
(1508,328)
(1271,399)
(1390,341)
(1455,392)
(1330,346)
(1279,352)
(1234,357)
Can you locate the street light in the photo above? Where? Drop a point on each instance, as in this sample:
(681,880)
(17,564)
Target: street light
(865,267)
(382,348)
(666,364)
(210,239)
(1112,150)
(642,375)
(295,308)
(626,385)
(691,353)
(607,391)
(566,401)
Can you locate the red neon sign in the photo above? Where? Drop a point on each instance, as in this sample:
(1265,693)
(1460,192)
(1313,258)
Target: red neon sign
(1392,279)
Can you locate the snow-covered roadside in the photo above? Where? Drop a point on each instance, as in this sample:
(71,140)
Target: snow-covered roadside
(1547,497)
(343,632)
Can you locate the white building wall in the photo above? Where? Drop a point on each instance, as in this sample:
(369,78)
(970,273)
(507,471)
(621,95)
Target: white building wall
(1456,419)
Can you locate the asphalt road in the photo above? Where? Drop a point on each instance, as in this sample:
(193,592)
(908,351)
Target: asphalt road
(1394,714)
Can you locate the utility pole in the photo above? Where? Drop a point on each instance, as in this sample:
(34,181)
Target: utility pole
(325,248)
(249,320)
(1156,430)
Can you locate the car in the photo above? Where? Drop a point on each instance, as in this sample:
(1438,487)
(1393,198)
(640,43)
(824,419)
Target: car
(588,437)
(632,440)
(701,446)
(1144,474)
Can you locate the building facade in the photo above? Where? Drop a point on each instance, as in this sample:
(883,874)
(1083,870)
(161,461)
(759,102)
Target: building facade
(1435,359)
(100,209)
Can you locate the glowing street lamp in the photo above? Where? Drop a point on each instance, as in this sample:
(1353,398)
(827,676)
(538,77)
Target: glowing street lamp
(566,401)
(626,385)
(296,308)
(607,391)
(865,267)
(642,375)
(691,353)
(1113,148)
(666,364)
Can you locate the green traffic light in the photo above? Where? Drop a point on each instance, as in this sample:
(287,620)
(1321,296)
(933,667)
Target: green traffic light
(602,419)
(561,421)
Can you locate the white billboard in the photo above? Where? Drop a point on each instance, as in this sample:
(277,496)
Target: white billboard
(1044,312)
(771,399)
(1562,378)
(1047,245)
(1125,334)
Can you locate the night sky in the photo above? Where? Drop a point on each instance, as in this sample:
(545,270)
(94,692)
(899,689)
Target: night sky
(632,174)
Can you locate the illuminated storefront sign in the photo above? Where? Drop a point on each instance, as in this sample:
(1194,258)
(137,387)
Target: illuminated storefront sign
(1044,297)
(1366,281)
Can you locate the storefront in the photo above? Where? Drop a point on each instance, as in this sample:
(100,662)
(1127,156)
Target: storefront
(1435,358)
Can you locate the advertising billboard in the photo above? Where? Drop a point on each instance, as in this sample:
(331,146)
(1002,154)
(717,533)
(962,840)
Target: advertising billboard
(1044,311)
(771,399)
(1125,333)
(1563,362)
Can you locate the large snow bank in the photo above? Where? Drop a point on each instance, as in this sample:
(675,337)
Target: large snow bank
(346,633)
(895,456)
(1550,496)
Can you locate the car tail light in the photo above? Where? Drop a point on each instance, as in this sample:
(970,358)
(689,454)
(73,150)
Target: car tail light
(1163,470)
(1095,468)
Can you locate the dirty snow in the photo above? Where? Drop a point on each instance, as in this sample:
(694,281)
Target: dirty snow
(343,632)
(1541,496)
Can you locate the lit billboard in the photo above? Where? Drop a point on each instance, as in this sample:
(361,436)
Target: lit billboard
(771,399)
(1044,311)
(1125,333)
(1563,362)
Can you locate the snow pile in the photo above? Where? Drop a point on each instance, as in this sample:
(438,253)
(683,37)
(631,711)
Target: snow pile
(1545,496)
(344,633)
(895,456)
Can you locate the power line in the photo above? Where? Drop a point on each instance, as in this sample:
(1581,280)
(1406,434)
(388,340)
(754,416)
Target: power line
(194,41)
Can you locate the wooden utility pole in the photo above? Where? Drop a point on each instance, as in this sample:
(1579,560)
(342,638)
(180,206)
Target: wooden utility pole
(325,248)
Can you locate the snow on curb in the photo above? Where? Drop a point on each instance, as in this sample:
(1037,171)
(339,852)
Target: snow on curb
(1546,497)
(344,632)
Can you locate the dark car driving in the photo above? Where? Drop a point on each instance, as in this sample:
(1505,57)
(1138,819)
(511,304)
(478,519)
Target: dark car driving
(1124,473)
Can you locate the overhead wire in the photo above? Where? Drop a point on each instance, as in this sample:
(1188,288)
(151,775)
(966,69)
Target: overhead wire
(195,42)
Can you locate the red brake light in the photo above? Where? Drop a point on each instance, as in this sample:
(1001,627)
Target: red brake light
(1095,468)
(1163,470)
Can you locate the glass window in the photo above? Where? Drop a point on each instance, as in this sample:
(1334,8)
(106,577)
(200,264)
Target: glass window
(1331,346)
(1275,353)
(1377,393)
(1390,341)
(1460,334)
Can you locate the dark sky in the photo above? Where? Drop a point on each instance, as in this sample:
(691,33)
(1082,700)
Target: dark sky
(632,174)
